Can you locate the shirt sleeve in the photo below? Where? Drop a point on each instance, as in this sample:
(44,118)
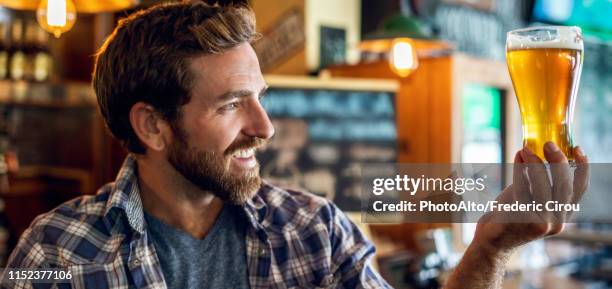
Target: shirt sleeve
(27,255)
(352,254)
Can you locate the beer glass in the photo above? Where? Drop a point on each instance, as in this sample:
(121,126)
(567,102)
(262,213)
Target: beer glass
(545,64)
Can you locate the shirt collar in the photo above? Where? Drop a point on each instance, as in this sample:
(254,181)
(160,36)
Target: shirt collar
(255,210)
(125,196)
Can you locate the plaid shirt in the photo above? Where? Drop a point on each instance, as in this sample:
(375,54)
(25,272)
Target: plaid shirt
(294,240)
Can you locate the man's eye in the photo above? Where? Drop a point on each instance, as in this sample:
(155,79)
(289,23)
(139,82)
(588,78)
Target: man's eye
(230,106)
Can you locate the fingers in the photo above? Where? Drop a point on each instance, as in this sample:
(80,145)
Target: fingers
(538,177)
(553,154)
(520,184)
(560,171)
(507,195)
(581,174)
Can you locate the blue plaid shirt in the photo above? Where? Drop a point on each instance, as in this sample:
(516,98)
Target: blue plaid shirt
(294,240)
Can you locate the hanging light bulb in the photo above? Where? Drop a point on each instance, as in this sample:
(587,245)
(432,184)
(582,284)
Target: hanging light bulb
(403,57)
(56,16)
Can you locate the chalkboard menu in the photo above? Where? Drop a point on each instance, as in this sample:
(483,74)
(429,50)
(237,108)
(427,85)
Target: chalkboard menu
(323,138)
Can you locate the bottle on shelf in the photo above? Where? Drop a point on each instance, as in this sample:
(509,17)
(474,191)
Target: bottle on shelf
(29,49)
(43,62)
(4,50)
(17,55)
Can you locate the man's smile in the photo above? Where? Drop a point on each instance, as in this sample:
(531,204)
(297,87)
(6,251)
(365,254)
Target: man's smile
(245,158)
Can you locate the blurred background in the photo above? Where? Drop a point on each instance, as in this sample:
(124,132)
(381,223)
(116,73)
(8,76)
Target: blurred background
(352,81)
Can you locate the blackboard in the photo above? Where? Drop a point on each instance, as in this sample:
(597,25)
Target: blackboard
(323,138)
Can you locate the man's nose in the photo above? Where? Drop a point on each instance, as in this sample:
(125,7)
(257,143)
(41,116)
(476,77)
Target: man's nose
(258,123)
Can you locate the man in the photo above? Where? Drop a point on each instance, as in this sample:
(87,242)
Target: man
(180,85)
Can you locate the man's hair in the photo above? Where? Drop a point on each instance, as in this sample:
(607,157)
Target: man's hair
(147,58)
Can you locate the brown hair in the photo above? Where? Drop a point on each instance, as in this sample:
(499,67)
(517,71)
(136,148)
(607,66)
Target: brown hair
(147,58)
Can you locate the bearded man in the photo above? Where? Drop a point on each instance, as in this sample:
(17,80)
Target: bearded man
(180,86)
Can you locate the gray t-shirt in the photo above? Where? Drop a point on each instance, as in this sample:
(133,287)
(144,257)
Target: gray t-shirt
(217,261)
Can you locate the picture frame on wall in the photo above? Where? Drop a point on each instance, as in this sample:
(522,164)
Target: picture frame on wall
(332,46)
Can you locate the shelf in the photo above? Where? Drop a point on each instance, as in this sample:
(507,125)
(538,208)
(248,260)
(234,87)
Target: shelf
(47,95)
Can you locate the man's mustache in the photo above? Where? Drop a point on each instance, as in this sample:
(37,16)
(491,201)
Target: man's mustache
(254,142)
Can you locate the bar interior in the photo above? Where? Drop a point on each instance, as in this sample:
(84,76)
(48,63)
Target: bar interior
(351,82)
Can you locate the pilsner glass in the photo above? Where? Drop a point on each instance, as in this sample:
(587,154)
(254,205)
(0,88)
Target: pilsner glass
(545,64)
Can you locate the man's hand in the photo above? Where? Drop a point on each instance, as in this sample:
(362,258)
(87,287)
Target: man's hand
(499,233)
(496,231)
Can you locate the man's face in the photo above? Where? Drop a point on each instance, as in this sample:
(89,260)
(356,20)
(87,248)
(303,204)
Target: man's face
(216,136)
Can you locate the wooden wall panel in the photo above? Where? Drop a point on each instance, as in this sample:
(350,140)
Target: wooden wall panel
(440,108)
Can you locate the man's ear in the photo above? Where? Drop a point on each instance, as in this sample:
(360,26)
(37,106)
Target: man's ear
(153,131)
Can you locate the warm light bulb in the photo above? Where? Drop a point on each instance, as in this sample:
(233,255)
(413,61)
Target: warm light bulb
(403,57)
(56,12)
(56,16)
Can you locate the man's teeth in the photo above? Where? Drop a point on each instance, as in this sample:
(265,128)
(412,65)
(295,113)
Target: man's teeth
(245,153)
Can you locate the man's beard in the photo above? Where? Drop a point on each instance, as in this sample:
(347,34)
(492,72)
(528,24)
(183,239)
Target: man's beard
(210,171)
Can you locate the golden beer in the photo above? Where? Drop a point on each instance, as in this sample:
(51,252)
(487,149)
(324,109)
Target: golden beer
(545,75)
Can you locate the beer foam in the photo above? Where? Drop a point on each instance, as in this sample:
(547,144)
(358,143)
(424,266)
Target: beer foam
(562,37)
